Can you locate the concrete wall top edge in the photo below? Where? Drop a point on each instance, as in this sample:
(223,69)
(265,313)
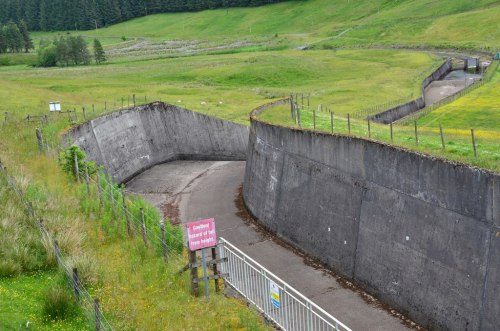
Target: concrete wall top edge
(254,119)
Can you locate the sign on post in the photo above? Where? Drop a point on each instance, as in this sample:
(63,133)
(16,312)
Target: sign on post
(275,294)
(201,234)
(55,106)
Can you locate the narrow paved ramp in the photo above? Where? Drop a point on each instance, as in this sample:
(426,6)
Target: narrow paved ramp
(198,190)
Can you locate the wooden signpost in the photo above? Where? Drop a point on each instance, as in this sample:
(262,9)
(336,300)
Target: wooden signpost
(202,236)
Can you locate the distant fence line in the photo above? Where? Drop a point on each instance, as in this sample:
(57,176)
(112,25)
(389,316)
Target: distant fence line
(416,115)
(328,122)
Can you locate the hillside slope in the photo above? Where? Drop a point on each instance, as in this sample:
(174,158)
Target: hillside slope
(457,23)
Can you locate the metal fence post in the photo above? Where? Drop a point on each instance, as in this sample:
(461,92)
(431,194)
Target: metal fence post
(369,129)
(392,134)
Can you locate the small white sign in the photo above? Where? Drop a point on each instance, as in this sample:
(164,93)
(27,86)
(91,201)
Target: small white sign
(55,106)
(275,294)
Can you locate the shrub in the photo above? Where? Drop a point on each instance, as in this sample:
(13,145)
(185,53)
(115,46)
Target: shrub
(59,303)
(68,162)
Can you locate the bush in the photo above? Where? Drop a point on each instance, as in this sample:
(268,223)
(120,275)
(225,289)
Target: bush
(68,162)
(47,56)
(59,303)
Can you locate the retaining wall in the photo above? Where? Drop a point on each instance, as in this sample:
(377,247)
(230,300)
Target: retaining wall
(406,109)
(131,141)
(420,233)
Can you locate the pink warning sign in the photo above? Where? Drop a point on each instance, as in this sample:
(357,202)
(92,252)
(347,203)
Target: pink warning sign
(201,234)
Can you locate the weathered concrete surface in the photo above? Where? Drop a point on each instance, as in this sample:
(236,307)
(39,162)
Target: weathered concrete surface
(420,233)
(208,189)
(128,142)
(438,90)
(406,109)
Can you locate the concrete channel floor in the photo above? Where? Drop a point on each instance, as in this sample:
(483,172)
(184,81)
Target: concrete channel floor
(208,189)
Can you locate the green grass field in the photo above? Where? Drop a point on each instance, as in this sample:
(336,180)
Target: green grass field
(226,63)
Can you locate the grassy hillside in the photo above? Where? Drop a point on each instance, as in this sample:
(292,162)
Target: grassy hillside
(461,23)
(228,86)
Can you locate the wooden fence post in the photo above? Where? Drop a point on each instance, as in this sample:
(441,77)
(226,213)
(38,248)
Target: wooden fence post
(392,133)
(87,182)
(97,312)
(111,196)
(193,271)
(76,285)
(442,136)
(299,121)
(416,133)
(99,190)
(57,252)
(163,240)
(39,139)
(93,109)
(214,269)
(369,129)
(77,170)
(105,106)
(127,216)
(133,96)
(314,119)
(473,143)
(84,113)
(143,223)
(31,211)
(331,120)
(349,123)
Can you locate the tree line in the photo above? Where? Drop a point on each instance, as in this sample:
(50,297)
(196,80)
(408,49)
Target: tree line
(59,15)
(70,50)
(15,38)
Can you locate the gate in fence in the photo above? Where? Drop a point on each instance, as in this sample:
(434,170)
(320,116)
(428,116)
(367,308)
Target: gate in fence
(278,301)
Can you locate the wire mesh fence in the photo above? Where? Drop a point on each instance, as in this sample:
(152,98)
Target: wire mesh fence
(89,304)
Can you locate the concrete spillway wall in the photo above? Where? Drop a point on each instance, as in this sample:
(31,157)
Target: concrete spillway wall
(420,233)
(131,141)
(406,109)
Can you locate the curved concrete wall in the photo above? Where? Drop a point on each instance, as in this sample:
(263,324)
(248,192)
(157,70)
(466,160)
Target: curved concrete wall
(129,142)
(420,233)
(406,109)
